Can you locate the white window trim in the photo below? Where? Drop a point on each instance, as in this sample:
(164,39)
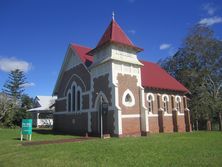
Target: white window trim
(177,96)
(77,88)
(150,94)
(167,102)
(165,95)
(127,104)
(177,102)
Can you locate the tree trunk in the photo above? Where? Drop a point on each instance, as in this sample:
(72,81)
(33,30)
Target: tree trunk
(197,126)
(209,125)
(220,121)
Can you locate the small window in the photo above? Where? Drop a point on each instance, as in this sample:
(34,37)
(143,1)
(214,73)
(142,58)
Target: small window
(128,99)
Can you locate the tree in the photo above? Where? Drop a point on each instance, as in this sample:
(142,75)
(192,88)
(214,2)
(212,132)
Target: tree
(14,86)
(5,105)
(13,103)
(198,65)
(26,102)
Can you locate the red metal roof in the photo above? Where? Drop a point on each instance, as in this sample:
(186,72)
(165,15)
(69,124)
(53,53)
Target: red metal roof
(115,34)
(82,53)
(153,76)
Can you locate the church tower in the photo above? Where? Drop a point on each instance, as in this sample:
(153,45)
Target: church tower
(116,76)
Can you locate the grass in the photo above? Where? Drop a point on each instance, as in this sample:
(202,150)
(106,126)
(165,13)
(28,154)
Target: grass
(177,149)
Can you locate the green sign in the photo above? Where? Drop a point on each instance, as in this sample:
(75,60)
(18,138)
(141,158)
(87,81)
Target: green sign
(27,126)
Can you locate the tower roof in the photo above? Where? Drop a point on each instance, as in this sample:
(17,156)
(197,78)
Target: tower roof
(115,34)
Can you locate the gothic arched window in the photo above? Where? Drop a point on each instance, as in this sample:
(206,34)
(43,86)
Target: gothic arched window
(165,99)
(150,99)
(178,103)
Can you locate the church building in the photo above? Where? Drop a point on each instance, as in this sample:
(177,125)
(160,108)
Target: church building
(142,97)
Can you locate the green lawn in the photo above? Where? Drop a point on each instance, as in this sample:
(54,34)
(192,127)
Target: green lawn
(187,149)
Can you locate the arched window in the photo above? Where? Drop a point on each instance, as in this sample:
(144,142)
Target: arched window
(165,99)
(73,98)
(78,100)
(69,101)
(128,99)
(178,103)
(150,99)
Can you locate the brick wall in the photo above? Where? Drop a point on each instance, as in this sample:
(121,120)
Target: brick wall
(131,126)
(128,82)
(153,124)
(60,105)
(71,123)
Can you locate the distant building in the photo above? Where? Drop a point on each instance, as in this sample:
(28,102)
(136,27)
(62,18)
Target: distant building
(42,114)
(142,97)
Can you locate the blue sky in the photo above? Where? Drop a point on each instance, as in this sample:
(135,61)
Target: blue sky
(34,34)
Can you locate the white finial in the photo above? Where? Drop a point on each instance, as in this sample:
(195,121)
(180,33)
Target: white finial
(113,14)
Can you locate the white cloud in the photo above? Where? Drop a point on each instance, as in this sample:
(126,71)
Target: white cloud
(27,85)
(210,21)
(165,46)
(133,32)
(210,8)
(9,64)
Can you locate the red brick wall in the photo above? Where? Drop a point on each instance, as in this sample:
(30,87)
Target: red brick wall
(168,123)
(131,126)
(153,125)
(128,82)
(181,123)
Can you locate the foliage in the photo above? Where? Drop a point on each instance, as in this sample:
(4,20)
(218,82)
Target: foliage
(198,65)
(14,86)
(5,105)
(13,103)
(27,102)
(178,149)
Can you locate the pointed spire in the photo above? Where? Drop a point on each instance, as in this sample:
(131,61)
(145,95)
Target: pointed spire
(115,34)
(113,15)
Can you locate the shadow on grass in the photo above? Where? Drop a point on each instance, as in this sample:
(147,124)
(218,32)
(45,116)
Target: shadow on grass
(49,131)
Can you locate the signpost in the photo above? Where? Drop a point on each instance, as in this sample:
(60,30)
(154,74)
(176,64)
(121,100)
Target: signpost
(26,128)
